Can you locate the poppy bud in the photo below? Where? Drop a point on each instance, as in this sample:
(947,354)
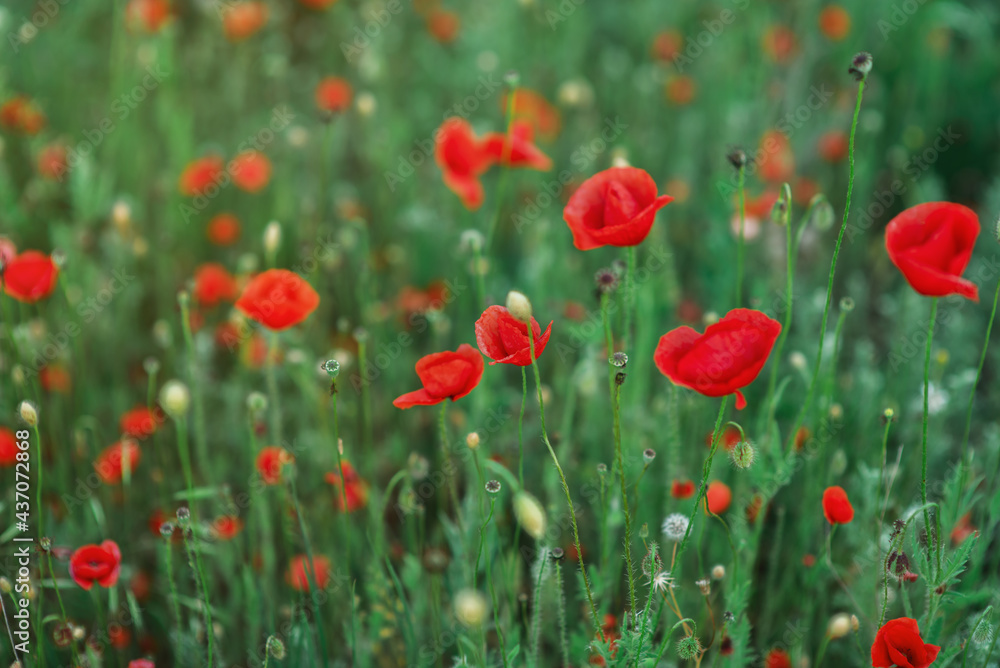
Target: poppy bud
(470,607)
(275,647)
(737,157)
(151,366)
(688,647)
(121,215)
(855,624)
(472,440)
(839,626)
(28,413)
(718,572)
(256,403)
(366,104)
(17,375)
(272,237)
(983,634)
(175,399)
(519,306)
(530,514)
(861,65)
(743,455)
(557,554)
(821,214)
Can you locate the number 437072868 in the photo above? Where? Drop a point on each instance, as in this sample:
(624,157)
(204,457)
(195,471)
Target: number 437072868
(22,479)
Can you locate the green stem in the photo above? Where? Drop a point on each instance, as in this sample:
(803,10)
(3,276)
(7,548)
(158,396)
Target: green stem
(787,320)
(62,608)
(923,438)
(706,470)
(504,170)
(194,377)
(274,400)
(493,591)
(520,428)
(452,486)
(629,297)
(806,405)
(310,570)
(979,372)
(616,410)
(343,480)
(741,247)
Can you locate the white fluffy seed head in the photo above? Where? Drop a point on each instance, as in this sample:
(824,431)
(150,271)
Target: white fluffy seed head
(470,607)
(675,526)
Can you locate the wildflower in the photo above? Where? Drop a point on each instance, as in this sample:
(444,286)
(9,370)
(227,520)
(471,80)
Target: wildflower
(270,462)
(777,658)
(834,22)
(333,95)
(746,338)
(832,146)
(20,113)
(99,564)
(111,462)
(861,65)
(675,526)
(55,378)
(516,149)
(779,43)
(298,574)
(443,25)
(530,514)
(444,375)
(680,90)
(531,107)
(226,527)
(667,45)
(29,277)
(223,229)
(778,163)
(931,244)
(462,158)
(213,284)
(147,15)
(898,643)
(836,507)
(51,162)
(504,339)
(251,171)
(615,207)
(200,175)
(718,496)
(175,398)
(8,448)
(682,489)
(704,585)
(470,607)
(278,299)
(243,19)
(355,489)
(661,581)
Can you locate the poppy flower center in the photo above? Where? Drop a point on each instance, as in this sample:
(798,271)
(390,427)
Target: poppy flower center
(620,205)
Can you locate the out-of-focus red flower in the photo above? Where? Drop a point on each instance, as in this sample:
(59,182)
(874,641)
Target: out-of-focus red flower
(317,4)
(963,528)
(333,95)
(52,162)
(141,663)
(574,310)
(223,229)
(779,43)
(140,422)
(251,171)
(832,146)
(803,190)
(29,277)
(213,284)
(753,508)
(147,15)
(355,489)
(726,358)
(615,207)
(834,22)
(270,460)
(777,162)
(931,244)
(680,90)
(689,311)
(244,19)
(141,585)
(55,378)
(462,158)
(413,301)
(443,25)
(801,438)
(777,658)
(278,299)
(100,564)
(21,114)
(667,45)
(201,175)
(110,464)
(837,509)
(532,107)
(504,339)
(718,496)
(8,448)
(119,636)
(898,643)
(516,149)
(728,439)
(297,575)
(682,489)
(226,527)
(444,375)
(809,560)
(8,250)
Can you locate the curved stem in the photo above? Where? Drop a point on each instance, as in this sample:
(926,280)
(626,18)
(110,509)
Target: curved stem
(979,372)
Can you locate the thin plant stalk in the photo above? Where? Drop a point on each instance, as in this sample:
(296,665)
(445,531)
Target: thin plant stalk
(504,170)
(706,470)
(272,389)
(310,569)
(923,436)
(629,295)
(616,408)
(975,384)
(452,485)
(741,248)
(194,377)
(520,428)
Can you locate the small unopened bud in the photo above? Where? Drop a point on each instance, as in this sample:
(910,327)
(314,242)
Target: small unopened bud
(17,375)
(983,635)
(688,647)
(28,413)
(855,624)
(530,514)
(839,626)
(46,543)
(846,304)
(737,157)
(743,455)
(151,366)
(121,215)
(272,237)
(519,306)
(821,213)
(175,399)
(183,516)
(557,554)
(470,607)
(797,360)
(275,647)
(512,78)
(718,572)
(365,104)
(861,65)
(472,440)
(602,469)
(167,530)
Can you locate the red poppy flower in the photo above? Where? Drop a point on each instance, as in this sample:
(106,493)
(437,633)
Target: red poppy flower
(667,45)
(444,375)
(30,277)
(833,146)
(147,15)
(413,301)
(51,162)
(504,339)
(298,572)
(753,508)
(140,422)
(462,158)
(270,460)
(226,527)
(779,43)
(356,489)
(333,95)
(317,4)
(278,299)
(8,448)
(615,207)
(809,561)
(777,162)
(516,149)
(777,658)
(680,90)
(55,378)
(223,229)
(718,496)
(682,489)
(963,528)
(837,509)
(119,636)
(244,19)
(110,464)
(20,113)
(931,244)
(8,250)
(96,563)
(141,663)
(898,643)
(443,25)
(251,171)
(532,107)
(726,358)
(200,175)
(834,22)
(213,284)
